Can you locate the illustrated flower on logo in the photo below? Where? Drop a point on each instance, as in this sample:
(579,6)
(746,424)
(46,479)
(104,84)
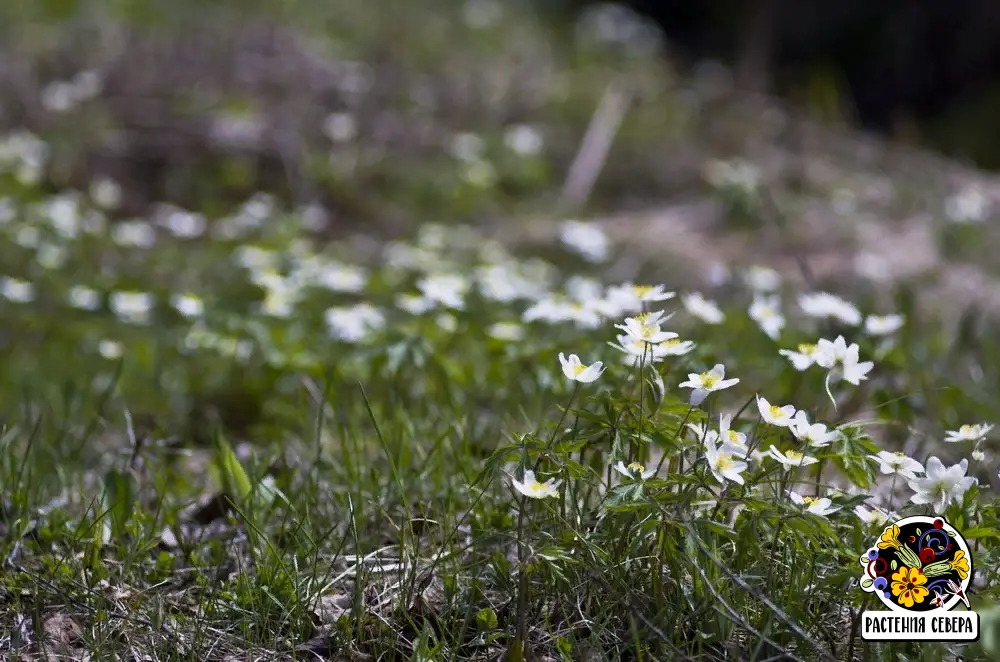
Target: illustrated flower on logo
(908,586)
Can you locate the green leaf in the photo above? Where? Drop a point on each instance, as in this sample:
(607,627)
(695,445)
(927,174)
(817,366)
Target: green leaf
(234,477)
(119,500)
(486,619)
(980,532)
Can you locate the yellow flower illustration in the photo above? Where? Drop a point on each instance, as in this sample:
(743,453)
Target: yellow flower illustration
(960,564)
(890,538)
(908,586)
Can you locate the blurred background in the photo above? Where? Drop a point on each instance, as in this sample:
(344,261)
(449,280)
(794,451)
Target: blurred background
(380,112)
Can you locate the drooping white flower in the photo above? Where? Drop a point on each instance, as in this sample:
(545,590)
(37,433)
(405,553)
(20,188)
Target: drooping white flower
(707,382)
(815,505)
(883,325)
(635,470)
(968,432)
(942,485)
(775,415)
(577,371)
(530,487)
(702,308)
(897,463)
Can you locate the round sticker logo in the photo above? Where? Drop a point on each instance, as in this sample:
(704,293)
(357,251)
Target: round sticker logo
(919,564)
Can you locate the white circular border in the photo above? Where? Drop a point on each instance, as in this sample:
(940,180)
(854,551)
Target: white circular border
(950,604)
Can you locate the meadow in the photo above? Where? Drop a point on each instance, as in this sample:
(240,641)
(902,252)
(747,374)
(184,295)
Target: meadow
(228,439)
(468,423)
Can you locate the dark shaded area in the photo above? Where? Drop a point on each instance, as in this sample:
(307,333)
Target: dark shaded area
(921,67)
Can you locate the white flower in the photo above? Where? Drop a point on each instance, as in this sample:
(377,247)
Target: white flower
(650,293)
(577,371)
(586,239)
(188,305)
(853,371)
(733,442)
(875,516)
(762,279)
(523,140)
(355,323)
(969,432)
(110,349)
(84,298)
(532,488)
(106,193)
(184,224)
(766,311)
(445,289)
(942,485)
(635,470)
(638,351)
(897,463)
(342,278)
(722,464)
(814,505)
(831,354)
(675,347)
(970,205)
(132,307)
(51,256)
(16,290)
(340,127)
(824,304)
(815,435)
(645,328)
(979,455)
(414,304)
(139,234)
(506,331)
(791,458)
(775,415)
(702,308)
(883,325)
(707,382)
(802,359)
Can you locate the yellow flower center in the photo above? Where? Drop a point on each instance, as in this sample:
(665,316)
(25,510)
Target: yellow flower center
(672,342)
(709,379)
(635,467)
(776,411)
(724,462)
(578,368)
(965,429)
(734,436)
(794,455)
(900,454)
(642,290)
(809,500)
(807,348)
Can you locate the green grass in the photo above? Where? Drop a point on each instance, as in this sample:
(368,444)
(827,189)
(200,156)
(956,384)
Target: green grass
(245,484)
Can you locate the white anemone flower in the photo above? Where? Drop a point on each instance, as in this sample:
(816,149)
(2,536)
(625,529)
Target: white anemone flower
(883,325)
(968,432)
(803,358)
(707,382)
(775,415)
(644,330)
(530,487)
(704,309)
(635,470)
(874,516)
(586,239)
(824,304)
(791,458)
(942,485)
(577,371)
(722,463)
(733,442)
(897,463)
(815,435)
(766,312)
(816,505)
